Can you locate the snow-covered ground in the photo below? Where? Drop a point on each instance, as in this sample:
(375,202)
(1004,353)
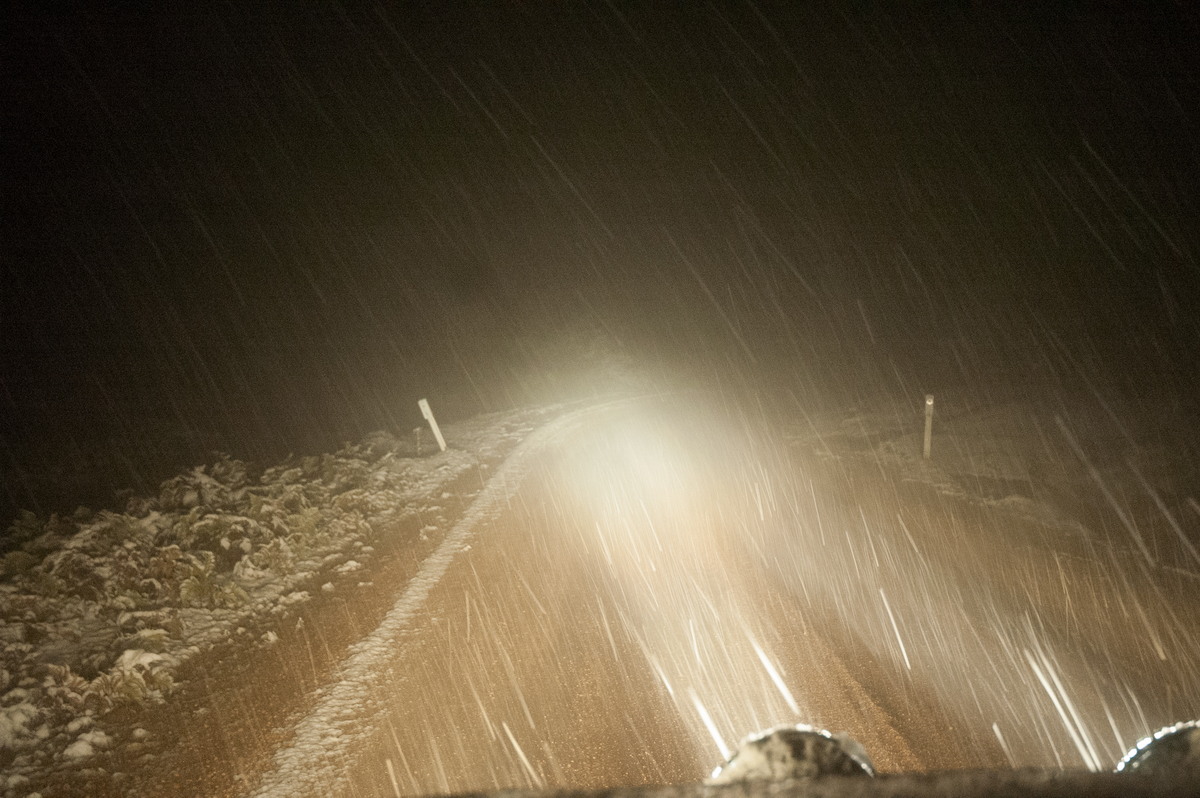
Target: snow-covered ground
(101,612)
(1095,464)
(1040,572)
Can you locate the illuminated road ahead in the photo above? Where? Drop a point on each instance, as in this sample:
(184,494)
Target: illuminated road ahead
(663,582)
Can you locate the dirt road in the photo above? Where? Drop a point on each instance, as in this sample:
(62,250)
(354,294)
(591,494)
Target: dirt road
(664,581)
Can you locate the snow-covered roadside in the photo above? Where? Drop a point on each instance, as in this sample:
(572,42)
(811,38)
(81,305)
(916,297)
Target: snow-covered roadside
(99,612)
(1094,465)
(314,761)
(1041,573)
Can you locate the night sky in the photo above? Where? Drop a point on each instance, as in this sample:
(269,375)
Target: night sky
(227,227)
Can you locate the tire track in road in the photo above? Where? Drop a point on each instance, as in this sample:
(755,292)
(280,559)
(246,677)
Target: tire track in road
(345,710)
(614,627)
(620,601)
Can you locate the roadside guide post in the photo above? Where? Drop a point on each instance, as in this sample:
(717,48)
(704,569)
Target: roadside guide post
(437,433)
(928,423)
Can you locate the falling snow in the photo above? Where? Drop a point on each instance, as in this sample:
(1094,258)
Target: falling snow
(678,280)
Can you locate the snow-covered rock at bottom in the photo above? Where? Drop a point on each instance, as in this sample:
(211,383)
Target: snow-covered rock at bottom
(79,724)
(16,724)
(86,745)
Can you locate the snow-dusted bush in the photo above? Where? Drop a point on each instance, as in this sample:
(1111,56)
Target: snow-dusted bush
(233,474)
(185,491)
(160,573)
(110,531)
(64,688)
(220,485)
(350,526)
(306,524)
(137,677)
(269,514)
(246,571)
(369,502)
(18,723)
(156,641)
(291,490)
(24,606)
(76,574)
(37,582)
(225,535)
(126,568)
(341,474)
(309,531)
(276,556)
(373,446)
(205,588)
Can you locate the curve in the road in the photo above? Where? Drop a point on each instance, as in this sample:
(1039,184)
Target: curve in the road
(315,757)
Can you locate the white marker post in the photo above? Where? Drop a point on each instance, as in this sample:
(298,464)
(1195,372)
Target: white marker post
(928,423)
(437,433)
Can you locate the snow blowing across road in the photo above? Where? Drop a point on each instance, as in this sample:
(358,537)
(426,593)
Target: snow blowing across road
(315,760)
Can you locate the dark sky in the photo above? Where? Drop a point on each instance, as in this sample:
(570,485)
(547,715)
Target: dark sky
(239,228)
